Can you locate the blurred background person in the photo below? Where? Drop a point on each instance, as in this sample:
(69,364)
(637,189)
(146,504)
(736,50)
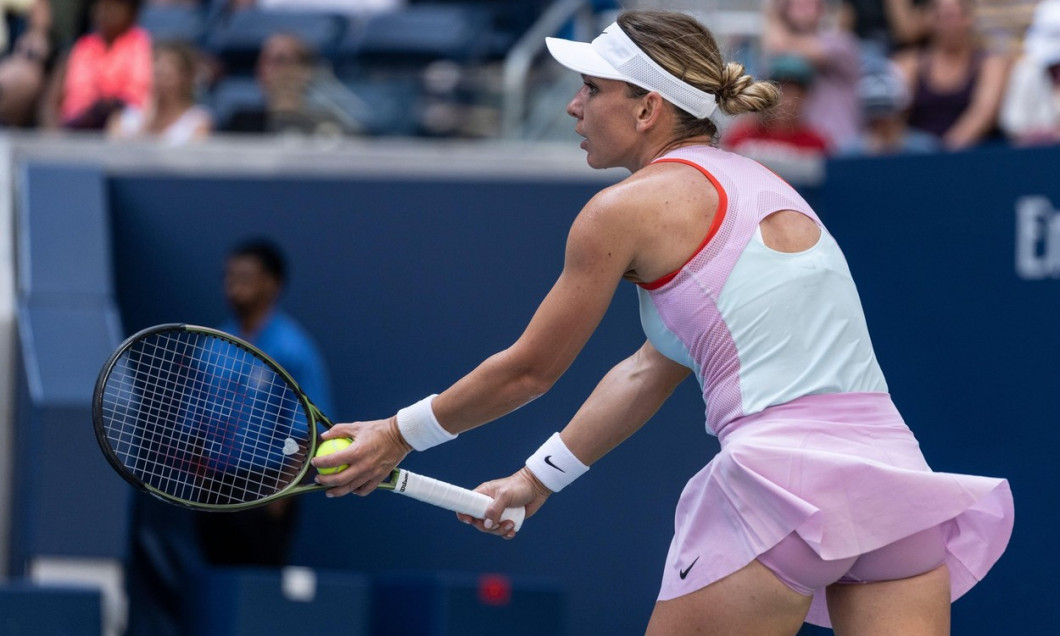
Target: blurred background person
(286,74)
(172,115)
(1030,111)
(106,70)
(782,139)
(254,279)
(955,83)
(803,28)
(884,99)
(24,70)
(885,25)
(171,546)
(11,10)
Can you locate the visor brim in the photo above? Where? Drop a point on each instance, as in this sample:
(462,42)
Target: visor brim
(582,58)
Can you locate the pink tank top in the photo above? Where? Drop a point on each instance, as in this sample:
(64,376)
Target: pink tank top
(758,327)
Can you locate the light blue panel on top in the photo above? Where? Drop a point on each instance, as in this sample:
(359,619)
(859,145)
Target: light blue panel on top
(65,341)
(63,231)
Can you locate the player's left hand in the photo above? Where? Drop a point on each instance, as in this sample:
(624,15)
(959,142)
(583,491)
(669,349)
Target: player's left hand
(376,450)
(520,489)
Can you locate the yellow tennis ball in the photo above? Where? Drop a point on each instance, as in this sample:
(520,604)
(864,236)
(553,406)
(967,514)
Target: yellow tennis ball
(333,446)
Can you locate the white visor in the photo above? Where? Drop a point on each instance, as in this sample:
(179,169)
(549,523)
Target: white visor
(612,55)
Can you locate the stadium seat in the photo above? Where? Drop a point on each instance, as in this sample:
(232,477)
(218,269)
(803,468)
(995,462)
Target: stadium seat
(26,608)
(508,20)
(254,601)
(232,94)
(237,38)
(393,104)
(173,22)
(455,604)
(417,34)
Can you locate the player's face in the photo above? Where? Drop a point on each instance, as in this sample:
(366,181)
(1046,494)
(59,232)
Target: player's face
(248,287)
(606,117)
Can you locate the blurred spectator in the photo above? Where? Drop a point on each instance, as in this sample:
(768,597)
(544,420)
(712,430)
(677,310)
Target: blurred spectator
(255,275)
(294,101)
(171,546)
(172,115)
(885,25)
(9,9)
(781,138)
(24,71)
(802,28)
(955,83)
(884,98)
(106,70)
(1030,112)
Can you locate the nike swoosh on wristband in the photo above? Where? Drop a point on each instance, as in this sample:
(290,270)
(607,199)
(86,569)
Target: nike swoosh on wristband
(683,573)
(548,460)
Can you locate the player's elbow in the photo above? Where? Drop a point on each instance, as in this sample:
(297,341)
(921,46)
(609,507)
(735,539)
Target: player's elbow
(530,376)
(534,385)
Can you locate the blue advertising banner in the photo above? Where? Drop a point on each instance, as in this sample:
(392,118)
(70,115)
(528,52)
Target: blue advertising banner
(408,282)
(957,259)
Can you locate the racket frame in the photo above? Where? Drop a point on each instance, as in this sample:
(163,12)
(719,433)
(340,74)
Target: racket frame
(301,483)
(426,489)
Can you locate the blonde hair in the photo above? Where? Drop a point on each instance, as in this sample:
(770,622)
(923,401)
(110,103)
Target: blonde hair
(688,50)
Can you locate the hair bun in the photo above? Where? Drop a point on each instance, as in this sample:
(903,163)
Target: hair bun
(739,93)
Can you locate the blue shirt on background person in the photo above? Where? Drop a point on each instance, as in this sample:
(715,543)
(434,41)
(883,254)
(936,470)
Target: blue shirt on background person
(284,340)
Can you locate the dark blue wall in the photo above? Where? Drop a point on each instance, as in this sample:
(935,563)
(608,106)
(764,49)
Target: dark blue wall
(970,348)
(408,283)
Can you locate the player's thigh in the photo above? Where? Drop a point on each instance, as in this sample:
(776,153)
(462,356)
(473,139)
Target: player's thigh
(915,606)
(751,601)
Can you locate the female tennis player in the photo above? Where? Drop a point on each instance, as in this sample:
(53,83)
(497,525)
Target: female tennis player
(819,505)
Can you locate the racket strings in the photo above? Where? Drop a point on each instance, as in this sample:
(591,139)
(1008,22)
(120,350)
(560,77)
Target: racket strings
(201,419)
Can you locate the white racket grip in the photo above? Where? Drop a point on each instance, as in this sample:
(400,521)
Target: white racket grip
(450,497)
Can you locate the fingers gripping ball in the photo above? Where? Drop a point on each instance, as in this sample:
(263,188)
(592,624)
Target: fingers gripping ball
(333,446)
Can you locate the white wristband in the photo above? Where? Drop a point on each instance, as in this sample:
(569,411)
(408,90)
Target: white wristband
(554,465)
(419,427)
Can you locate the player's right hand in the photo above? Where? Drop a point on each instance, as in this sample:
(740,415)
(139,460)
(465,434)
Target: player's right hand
(376,450)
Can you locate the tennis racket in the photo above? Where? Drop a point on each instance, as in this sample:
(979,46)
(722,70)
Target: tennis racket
(202,419)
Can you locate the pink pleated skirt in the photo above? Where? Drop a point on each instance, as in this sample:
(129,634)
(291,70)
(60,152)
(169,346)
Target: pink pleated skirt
(845,473)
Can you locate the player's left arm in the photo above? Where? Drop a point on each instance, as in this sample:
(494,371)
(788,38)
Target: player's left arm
(624,400)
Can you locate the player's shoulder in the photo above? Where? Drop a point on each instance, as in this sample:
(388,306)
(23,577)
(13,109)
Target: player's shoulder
(643,188)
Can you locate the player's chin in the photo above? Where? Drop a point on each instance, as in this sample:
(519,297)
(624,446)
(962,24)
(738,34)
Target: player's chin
(595,161)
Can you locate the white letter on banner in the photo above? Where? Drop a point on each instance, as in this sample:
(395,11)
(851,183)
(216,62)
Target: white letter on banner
(1037,238)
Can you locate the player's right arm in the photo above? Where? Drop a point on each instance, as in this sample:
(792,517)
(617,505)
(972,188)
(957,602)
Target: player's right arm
(600,251)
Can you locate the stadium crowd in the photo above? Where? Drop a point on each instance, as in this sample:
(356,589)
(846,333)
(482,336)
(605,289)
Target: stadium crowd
(859,76)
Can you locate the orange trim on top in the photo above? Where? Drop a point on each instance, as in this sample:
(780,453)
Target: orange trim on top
(715,224)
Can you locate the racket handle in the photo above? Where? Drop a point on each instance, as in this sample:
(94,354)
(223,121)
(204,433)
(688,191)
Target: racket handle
(450,497)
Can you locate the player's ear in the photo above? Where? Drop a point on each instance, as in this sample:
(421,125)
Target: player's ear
(649,109)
